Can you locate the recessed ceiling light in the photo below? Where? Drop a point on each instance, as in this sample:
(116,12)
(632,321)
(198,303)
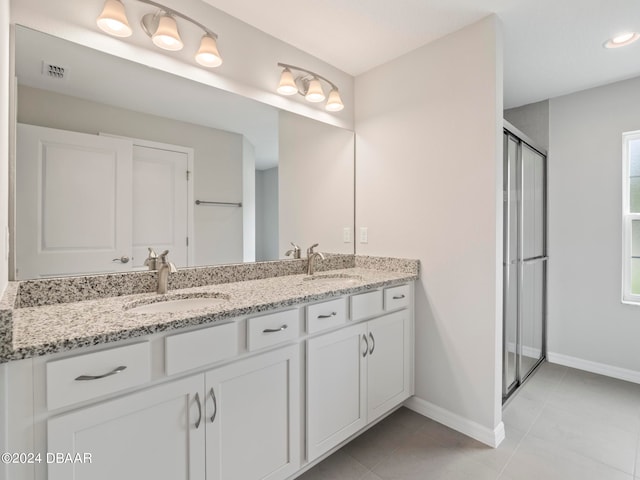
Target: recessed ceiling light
(622,40)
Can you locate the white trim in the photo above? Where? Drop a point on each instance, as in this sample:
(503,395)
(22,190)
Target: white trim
(190,153)
(472,429)
(594,367)
(627,218)
(531,352)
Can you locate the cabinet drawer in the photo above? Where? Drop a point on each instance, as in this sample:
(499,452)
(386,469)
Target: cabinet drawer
(366,305)
(326,315)
(396,297)
(272,329)
(197,348)
(76,379)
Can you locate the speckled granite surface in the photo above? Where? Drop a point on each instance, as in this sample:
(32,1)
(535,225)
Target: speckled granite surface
(41,330)
(76,289)
(388,264)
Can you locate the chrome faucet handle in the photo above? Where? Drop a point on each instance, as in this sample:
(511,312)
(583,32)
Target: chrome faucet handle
(151,260)
(310,249)
(163,261)
(295,251)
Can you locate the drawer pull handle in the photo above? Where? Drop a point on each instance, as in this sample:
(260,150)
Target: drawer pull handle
(199,410)
(398,297)
(373,343)
(366,347)
(215,404)
(333,314)
(98,377)
(274,330)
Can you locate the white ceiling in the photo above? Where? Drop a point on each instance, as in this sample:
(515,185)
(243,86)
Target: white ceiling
(552,47)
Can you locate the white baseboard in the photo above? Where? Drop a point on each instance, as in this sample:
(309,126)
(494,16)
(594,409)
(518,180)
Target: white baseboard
(531,352)
(594,367)
(493,438)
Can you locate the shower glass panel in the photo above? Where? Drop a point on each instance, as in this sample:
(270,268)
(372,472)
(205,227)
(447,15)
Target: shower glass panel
(525,260)
(532,316)
(510,305)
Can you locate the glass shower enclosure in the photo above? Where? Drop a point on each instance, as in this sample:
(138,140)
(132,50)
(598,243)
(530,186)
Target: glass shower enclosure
(525,258)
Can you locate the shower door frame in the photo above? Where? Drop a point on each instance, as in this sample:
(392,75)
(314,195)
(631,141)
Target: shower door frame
(509,131)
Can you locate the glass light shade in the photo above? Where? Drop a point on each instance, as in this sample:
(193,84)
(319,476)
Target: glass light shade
(208,55)
(287,85)
(166,36)
(314,92)
(113,19)
(334,103)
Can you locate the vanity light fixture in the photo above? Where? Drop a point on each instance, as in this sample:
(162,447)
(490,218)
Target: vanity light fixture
(162,28)
(622,40)
(308,84)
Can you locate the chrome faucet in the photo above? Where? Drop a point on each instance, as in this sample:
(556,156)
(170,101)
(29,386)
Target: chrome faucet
(311,258)
(151,260)
(295,251)
(164,269)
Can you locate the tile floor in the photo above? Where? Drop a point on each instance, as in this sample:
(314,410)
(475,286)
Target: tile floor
(565,424)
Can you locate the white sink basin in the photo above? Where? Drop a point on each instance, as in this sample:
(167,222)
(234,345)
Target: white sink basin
(176,305)
(334,278)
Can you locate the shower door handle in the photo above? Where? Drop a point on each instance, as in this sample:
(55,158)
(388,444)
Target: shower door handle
(529,261)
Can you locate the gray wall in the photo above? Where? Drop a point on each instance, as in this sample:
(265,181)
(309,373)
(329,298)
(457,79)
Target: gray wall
(267,215)
(218,160)
(316,178)
(587,320)
(429,171)
(532,120)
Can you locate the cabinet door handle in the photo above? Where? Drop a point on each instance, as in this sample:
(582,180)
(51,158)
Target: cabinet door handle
(366,347)
(373,343)
(97,377)
(398,297)
(199,410)
(333,314)
(274,330)
(215,404)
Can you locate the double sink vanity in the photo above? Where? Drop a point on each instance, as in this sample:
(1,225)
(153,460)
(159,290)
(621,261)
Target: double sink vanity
(239,372)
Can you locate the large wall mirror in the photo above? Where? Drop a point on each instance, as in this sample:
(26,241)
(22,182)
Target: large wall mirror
(113,157)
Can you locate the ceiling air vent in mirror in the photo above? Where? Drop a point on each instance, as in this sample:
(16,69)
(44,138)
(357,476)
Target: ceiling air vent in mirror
(53,71)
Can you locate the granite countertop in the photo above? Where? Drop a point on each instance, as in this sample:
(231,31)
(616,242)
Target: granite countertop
(41,330)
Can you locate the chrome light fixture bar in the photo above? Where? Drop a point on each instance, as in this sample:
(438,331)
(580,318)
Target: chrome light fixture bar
(162,28)
(307,84)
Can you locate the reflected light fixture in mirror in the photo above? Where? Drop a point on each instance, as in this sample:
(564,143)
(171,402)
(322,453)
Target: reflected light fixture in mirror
(166,35)
(308,84)
(113,19)
(162,28)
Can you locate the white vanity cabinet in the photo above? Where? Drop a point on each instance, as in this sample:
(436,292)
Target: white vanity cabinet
(355,375)
(239,421)
(157,433)
(252,398)
(253,417)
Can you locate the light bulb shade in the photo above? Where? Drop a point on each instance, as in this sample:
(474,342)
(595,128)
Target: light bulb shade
(287,85)
(334,103)
(314,91)
(166,35)
(113,19)
(208,55)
